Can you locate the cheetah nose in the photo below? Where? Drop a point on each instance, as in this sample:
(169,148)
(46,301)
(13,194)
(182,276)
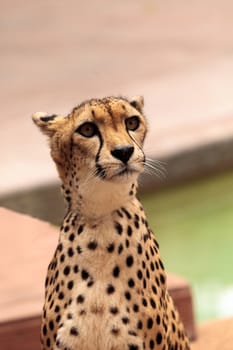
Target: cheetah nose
(123,153)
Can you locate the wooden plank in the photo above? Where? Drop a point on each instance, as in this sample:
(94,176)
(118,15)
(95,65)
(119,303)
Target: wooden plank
(22,334)
(215,335)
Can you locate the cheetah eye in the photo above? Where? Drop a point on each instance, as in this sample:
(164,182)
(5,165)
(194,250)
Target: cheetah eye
(87,129)
(132,123)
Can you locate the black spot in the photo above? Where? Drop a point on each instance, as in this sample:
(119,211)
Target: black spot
(131,283)
(61,295)
(158,320)
(66,270)
(74,331)
(139,324)
(58,318)
(80,299)
(152,344)
(161,264)
(57,308)
(162,279)
(152,251)
(116,271)
(127,295)
(129,231)
(110,289)
(44,330)
(92,245)
(139,248)
(51,305)
(110,247)
(114,310)
(149,323)
(152,266)
(60,247)
(152,302)
(80,229)
(127,243)
(70,252)
(157,281)
(135,308)
(125,320)
(48,342)
(62,258)
(84,274)
(144,302)
(51,325)
(71,237)
(119,214)
(66,228)
(76,269)
(156,243)
(139,274)
(70,284)
(159,338)
(79,249)
(132,347)
(154,289)
(129,260)
(118,228)
(115,331)
(136,224)
(90,283)
(120,248)
(128,215)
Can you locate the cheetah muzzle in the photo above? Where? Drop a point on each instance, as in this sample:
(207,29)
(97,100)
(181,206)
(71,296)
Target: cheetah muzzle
(106,286)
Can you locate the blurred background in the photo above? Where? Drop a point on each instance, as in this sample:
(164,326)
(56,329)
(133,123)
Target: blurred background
(179,55)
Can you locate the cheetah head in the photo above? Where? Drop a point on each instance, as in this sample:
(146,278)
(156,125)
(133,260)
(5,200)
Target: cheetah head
(99,142)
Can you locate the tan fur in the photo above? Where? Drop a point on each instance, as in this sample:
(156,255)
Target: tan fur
(106,286)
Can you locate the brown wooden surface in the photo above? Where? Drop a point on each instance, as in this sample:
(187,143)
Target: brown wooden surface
(181,293)
(27,245)
(215,335)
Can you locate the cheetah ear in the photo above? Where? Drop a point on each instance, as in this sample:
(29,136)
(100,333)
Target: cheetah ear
(138,103)
(48,123)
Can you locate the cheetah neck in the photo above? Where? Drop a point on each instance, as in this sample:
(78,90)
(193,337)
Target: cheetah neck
(96,202)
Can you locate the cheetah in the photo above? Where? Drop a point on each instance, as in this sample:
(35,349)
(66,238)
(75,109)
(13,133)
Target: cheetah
(106,286)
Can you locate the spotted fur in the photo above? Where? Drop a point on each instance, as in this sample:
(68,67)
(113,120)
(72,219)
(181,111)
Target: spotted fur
(106,286)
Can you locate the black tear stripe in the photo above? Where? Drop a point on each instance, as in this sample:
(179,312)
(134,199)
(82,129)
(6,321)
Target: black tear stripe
(100,171)
(48,118)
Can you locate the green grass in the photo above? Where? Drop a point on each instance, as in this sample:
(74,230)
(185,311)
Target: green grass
(194,226)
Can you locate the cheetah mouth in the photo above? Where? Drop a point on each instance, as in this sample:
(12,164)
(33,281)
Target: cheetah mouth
(125,171)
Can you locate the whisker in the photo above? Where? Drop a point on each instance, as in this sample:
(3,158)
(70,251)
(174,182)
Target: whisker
(155,167)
